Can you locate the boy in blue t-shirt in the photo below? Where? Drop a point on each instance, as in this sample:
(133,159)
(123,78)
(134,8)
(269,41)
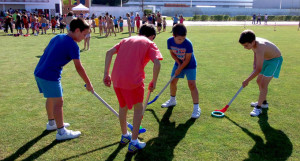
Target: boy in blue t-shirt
(181,50)
(59,52)
(175,19)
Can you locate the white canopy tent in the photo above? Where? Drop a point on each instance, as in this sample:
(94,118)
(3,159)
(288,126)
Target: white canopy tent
(80,7)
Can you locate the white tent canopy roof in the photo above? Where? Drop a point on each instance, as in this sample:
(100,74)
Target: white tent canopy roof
(80,7)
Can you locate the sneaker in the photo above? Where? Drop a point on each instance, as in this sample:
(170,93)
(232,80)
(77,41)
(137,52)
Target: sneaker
(169,103)
(196,113)
(255,112)
(126,139)
(134,147)
(54,127)
(253,104)
(69,134)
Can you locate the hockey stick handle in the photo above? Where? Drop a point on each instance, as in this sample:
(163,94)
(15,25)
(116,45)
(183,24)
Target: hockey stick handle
(156,97)
(166,86)
(146,102)
(237,93)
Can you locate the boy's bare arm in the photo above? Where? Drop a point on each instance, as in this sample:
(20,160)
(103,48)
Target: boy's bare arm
(254,61)
(156,69)
(259,61)
(175,57)
(108,58)
(83,75)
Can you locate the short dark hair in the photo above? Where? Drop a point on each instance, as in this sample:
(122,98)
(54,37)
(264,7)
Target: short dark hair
(247,36)
(179,30)
(147,30)
(70,13)
(79,23)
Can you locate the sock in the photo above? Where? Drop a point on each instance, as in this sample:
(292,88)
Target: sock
(265,102)
(173,98)
(61,131)
(51,122)
(134,142)
(127,134)
(258,107)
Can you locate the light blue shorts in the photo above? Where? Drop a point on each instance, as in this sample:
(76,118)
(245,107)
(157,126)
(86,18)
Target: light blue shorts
(271,68)
(189,73)
(50,89)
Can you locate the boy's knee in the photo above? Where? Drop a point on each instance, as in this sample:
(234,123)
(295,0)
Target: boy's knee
(173,83)
(192,85)
(58,102)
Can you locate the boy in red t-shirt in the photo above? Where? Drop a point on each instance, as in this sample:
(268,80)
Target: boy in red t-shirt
(128,76)
(26,23)
(53,24)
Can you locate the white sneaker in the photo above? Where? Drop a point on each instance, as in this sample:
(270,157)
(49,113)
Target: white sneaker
(253,104)
(69,134)
(196,113)
(54,127)
(169,103)
(255,112)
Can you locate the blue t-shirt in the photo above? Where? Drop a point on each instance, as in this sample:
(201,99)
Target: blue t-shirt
(181,49)
(175,19)
(59,52)
(115,21)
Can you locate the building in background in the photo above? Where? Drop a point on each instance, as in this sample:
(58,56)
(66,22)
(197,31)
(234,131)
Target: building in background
(277,4)
(50,7)
(194,3)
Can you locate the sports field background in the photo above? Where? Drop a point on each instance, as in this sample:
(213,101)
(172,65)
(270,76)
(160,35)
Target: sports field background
(171,135)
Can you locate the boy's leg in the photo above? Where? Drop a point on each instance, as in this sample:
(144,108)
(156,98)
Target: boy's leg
(84,43)
(194,91)
(195,95)
(173,87)
(49,108)
(123,119)
(135,144)
(137,119)
(259,81)
(88,43)
(55,106)
(263,84)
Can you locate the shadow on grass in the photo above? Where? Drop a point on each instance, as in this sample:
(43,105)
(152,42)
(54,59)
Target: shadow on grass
(162,147)
(113,155)
(40,152)
(27,146)
(277,147)
(98,37)
(39,56)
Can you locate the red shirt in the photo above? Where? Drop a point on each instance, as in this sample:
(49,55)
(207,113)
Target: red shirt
(133,54)
(53,22)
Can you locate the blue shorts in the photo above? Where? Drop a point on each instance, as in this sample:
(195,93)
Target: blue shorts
(271,68)
(190,73)
(43,25)
(32,25)
(68,27)
(50,89)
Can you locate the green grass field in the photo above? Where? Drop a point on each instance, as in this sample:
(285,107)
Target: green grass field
(171,135)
